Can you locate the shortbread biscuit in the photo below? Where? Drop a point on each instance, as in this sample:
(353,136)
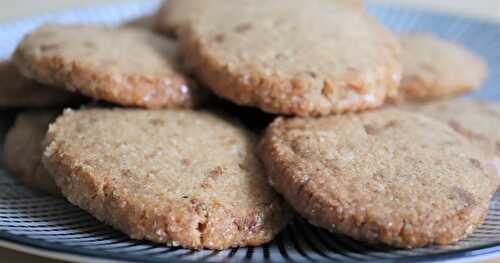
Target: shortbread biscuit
(479,121)
(387,176)
(283,59)
(435,68)
(23,150)
(176,177)
(17,91)
(127,66)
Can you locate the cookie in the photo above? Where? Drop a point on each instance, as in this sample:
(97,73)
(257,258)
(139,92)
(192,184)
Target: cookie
(23,150)
(174,14)
(380,176)
(284,60)
(127,66)
(17,91)
(435,68)
(478,121)
(176,177)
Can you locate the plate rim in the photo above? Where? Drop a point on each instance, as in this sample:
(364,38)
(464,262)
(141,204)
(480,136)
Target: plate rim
(48,254)
(40,248)
(51,250)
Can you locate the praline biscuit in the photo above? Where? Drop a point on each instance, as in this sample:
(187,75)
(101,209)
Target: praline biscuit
(130,66)
(386,176)
(283,59)
(177,177)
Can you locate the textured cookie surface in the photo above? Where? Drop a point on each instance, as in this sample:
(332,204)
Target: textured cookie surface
(23,150)
(434,68)
(18,91)
(128,66)
(283,59)
(177,177)
(479,121)
(174,14)
(380,176)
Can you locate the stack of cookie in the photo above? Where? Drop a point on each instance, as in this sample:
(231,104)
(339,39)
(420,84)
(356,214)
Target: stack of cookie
(163,154)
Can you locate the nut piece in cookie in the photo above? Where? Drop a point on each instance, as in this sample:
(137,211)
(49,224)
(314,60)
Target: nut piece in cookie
(177,177)
(380,176)
(128,66)
(285,60)
(23,150)
(435,68)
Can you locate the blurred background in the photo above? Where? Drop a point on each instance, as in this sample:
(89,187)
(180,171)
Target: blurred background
(490,9)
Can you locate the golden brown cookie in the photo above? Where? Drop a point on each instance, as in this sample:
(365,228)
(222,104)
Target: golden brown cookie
(283,59)
(174,14)
(17,91)
(380,176)
(435,68)
(176,177)
(128,66)
(479,121)
(23,150)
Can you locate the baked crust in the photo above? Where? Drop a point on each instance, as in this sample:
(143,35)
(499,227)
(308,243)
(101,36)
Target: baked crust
(155,176)
(380,176)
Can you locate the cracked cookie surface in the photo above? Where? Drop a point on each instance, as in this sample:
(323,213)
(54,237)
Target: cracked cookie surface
(380,176)
(176,177)
(282,59)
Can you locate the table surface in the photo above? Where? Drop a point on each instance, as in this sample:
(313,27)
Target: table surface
(9,10)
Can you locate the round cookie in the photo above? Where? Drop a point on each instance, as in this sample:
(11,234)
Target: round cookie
(176,177)
(284,60)
(127,66)
(435,68)
(380,176)
(23,150)
(478,121)
(174,14)
(17,91)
